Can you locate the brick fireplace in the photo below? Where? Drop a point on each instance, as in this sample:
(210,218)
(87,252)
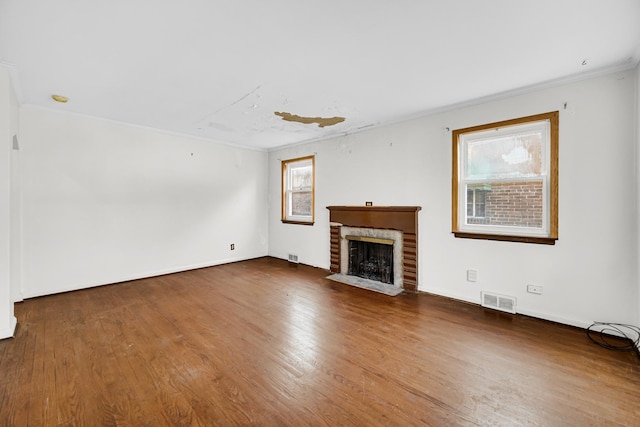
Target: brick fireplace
(403,219)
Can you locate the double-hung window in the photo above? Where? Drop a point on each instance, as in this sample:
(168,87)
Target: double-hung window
(298,190)
(505,180)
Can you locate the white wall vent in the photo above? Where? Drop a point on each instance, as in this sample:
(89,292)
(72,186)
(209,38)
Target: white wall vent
(499,302)
(293,258)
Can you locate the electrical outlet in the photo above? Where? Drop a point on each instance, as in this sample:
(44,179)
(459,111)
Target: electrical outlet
(472,275)
(233,246)
(534,289)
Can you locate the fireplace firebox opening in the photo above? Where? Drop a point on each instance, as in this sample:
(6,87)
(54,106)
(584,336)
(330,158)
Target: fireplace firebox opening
(371,258)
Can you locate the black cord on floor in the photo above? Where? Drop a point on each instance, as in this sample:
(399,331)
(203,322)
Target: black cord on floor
(606,332)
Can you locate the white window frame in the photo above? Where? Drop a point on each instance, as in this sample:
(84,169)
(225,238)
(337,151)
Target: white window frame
(547,233)
(287,190)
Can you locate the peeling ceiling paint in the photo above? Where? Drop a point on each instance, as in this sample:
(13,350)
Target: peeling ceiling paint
(321,121)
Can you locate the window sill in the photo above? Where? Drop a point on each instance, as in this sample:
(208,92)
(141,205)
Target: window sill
(286,221)
(504,238)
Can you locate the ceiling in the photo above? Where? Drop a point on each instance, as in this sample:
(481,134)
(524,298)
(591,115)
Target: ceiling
(265,74)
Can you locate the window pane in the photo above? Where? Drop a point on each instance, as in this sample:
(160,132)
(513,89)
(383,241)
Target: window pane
(301,203)
(301,177)
(480,203)
(517,204)
(469,202)
(517,155)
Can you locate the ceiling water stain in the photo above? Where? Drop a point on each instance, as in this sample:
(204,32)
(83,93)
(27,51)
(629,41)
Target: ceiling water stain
(321,121)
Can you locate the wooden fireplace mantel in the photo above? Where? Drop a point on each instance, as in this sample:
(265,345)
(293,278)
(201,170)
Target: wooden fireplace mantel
(401,218)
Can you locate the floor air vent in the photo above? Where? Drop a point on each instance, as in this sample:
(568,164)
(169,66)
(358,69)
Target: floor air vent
(499,302)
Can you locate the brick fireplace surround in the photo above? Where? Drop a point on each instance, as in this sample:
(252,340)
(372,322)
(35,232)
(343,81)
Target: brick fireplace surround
(401,218)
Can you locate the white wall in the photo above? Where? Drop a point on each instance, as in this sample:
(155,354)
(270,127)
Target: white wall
(8,108)
(104,202)
(588,275)
(637,323)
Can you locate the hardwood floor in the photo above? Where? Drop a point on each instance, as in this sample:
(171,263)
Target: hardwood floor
(260,343)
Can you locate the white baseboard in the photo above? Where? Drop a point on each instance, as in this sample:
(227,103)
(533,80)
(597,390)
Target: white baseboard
(519,310)
(556,319)
(141,275)
(8,332)
(452,296)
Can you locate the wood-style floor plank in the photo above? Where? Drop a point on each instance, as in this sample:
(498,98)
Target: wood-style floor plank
(261,343)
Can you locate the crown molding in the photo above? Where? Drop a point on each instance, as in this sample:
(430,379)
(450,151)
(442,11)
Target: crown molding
(631,63)
(35,107)
(15,79)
